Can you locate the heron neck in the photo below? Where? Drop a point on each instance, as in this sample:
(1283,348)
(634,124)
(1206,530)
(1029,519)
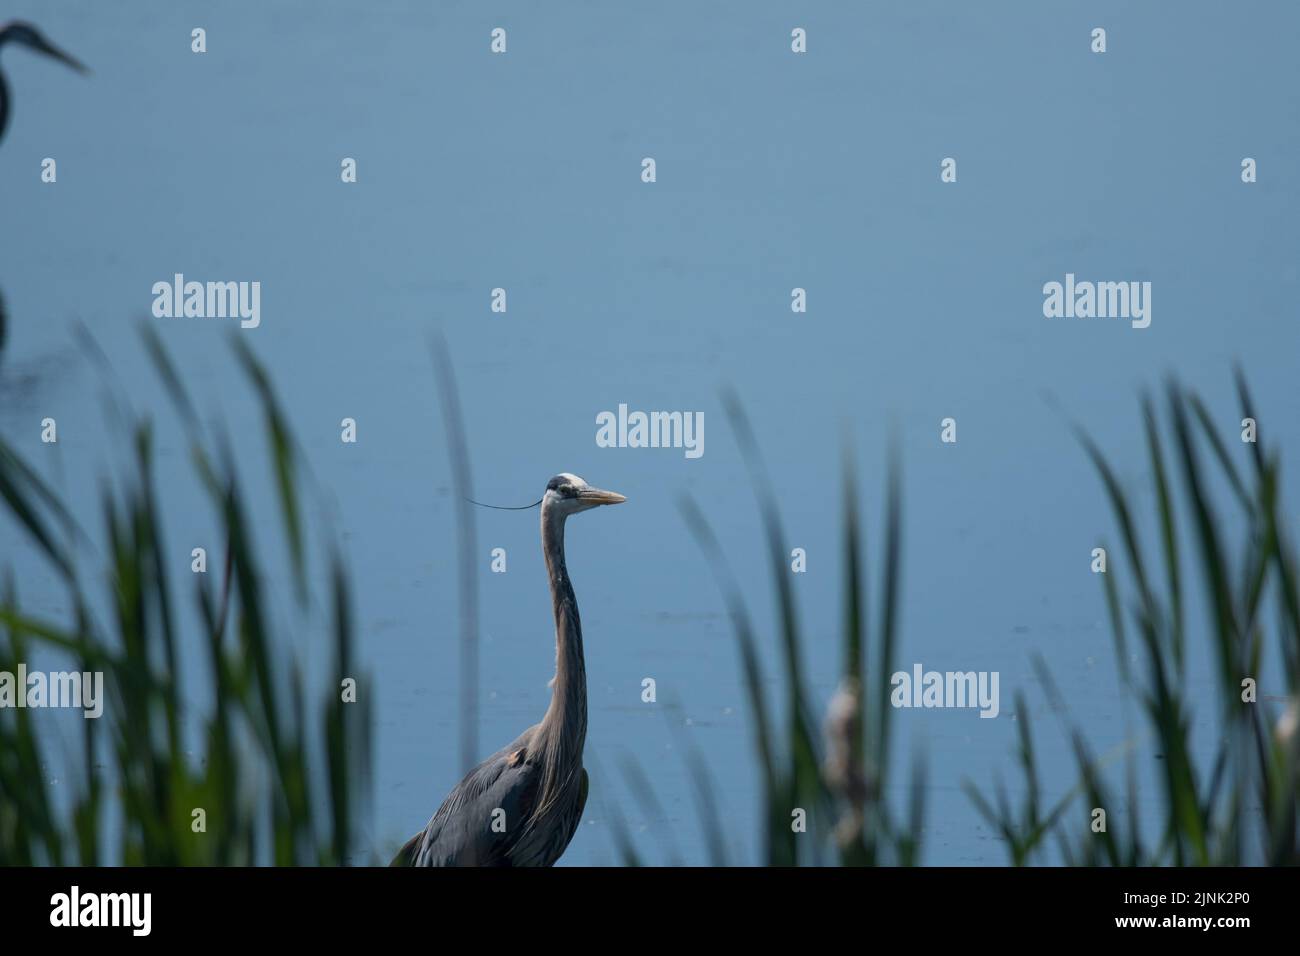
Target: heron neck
(565,723)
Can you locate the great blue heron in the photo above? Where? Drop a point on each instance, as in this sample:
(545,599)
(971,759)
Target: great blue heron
(24,34)
(521,806)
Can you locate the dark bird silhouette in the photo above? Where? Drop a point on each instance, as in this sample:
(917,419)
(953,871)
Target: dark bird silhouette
(522,805)
(24,34)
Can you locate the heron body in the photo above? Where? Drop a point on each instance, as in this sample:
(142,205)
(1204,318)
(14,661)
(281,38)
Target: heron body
(522,805)
(24,34)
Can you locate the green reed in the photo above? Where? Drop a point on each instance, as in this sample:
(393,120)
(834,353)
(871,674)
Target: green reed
(1239,807)
(279,767)
(1214,566)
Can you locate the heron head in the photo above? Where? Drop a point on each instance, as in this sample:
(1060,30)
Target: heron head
(568,494)
(24,34)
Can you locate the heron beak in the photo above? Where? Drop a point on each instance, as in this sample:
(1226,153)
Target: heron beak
(49,49)
(597,496)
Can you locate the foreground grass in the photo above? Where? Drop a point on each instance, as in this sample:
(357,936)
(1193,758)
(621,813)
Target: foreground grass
(280,779)
(1240,808)
(278,771)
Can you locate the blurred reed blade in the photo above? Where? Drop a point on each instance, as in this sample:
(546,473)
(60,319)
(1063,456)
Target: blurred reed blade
(466,535)
(1220,450)
(1247,411)
(1168,529)
(803,783)
(1214,560)
(26,494)
(760,725)
(889,602)
(283,456)
(643,792)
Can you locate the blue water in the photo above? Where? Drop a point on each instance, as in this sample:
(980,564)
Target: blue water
(774,171)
